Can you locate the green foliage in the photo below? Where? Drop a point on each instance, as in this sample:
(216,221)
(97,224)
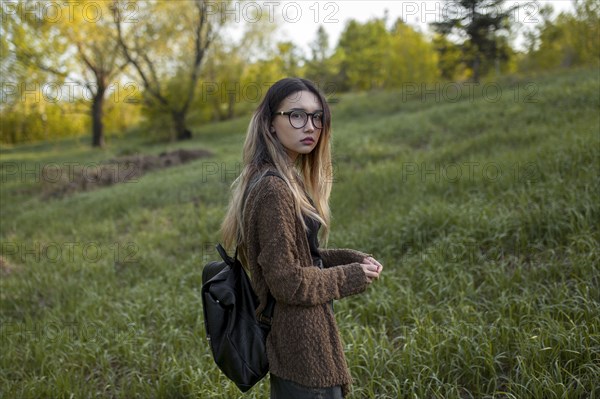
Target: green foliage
(491,278)
(32,117)
(57,68)
(570,40)
(411,57)
(363,49)
(371,57)
(166,46)
(39,121)
(235,74)
(449,55)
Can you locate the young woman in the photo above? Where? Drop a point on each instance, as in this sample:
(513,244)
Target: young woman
(275,220)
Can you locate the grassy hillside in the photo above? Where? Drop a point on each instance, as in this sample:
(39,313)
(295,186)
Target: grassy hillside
(481,204)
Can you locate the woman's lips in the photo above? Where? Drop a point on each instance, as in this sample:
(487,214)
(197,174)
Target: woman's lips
(307,140)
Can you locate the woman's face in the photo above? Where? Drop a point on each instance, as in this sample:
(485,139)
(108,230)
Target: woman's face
(298,139)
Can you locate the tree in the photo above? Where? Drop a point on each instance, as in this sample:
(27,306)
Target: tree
(449,56)
(369,56)
(75,45)
(231,81)
(15,123)
(220,87)
(320,46)
(97,49)
(478,23)
(320,68)
(411,57)
(361,52)
(586,31)
(166,45)
(288,58)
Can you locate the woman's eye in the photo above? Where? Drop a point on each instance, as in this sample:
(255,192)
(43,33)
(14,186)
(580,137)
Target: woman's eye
(296,115)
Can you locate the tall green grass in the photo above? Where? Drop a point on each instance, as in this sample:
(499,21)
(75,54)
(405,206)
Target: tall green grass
(483,210)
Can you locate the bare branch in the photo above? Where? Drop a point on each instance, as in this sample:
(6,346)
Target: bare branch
(31,59)
(203,39)
(155,92)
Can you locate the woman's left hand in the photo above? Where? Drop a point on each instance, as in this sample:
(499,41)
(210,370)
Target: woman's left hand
(373,261)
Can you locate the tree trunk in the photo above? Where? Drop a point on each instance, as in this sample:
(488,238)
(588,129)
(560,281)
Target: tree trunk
(97,126)
(476,63)
(231,106)
(181,131)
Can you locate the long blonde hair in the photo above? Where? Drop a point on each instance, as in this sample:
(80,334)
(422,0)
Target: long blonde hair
(311,172)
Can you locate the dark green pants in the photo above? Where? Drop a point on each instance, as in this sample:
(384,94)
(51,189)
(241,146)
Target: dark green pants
(286,389)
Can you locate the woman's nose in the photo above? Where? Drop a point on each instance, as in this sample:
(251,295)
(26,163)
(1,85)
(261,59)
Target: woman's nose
(309,125)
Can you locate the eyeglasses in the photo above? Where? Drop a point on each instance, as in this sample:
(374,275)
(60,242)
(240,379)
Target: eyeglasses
(298,118)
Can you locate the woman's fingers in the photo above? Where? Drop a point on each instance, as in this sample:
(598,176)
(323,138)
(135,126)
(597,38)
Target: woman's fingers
(375,262)
(371,270)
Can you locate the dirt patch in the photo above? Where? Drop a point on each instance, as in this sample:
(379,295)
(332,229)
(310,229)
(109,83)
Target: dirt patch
(75,178)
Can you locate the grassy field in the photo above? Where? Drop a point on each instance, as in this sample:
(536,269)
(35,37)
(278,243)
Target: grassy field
(482,204)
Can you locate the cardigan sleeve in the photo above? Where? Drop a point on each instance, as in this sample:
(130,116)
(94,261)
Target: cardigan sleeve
(288,280)
(340,256)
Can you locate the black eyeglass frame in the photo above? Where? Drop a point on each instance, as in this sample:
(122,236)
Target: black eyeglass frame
(311,114)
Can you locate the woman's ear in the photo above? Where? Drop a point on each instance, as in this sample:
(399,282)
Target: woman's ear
(272,130)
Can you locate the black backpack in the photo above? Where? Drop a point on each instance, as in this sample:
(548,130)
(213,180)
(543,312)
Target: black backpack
(236,336)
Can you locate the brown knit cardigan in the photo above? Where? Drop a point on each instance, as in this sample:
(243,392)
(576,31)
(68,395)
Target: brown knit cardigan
(304,344)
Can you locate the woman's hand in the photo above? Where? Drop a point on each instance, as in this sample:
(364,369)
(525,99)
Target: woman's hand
(372,268)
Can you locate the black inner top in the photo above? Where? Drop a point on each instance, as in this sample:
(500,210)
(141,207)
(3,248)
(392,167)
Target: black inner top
(313,241)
